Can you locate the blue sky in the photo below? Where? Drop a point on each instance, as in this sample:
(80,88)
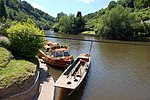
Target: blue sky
(53,7)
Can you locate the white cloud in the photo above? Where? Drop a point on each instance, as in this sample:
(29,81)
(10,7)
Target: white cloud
(36,5)
(86,1)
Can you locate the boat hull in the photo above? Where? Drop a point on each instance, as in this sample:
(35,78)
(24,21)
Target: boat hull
(73,76)
(60,62)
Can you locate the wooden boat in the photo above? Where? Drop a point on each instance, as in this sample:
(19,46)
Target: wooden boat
(56,55)
(46,48)
(50,44)
(73,76)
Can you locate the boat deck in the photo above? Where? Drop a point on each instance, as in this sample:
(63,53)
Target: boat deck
(71,82)
(74,74)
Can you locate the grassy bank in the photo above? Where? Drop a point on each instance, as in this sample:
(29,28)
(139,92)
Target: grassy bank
(5,57)
(14,71)
(88,33)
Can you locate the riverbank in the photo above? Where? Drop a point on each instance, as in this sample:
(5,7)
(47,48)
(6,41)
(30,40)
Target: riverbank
(127,40)
(95,39)
(90,33)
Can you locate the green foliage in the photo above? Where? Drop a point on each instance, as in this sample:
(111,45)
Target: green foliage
(21,11)
(72,24)
(16,72)
(139,4)
(137,28)
(5,57)
(142,14)
(2,29)
(24,41)
(147,29)
(91,20)
(59,15)
(80,23)
(111,5)
(120,20)
(115,24)
(69,24)
(64,24)
(56,27)
(126,3)
(4,42)
(2,11)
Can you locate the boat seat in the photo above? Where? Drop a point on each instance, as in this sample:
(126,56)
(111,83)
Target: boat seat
(78,75)
(75,80)
(68,82)
(82,60)
(86,69)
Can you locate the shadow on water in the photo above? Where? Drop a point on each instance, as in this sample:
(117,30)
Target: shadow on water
(55,67)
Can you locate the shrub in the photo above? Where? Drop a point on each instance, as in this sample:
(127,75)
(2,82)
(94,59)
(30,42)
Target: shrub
(3,30)
(4,42)
(5,57)
(24,39)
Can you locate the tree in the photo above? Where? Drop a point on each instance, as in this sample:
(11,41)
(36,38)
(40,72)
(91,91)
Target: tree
(115,24)
(21,17)
(111,5)
(24,39)
(64,24)
(126,3)
(80,23)
(72,24)
(147,28)
(59,15)
(3,13)
(122,3)
(56,27)
(142,4)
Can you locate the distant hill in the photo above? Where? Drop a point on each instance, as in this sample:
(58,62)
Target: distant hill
(21,10)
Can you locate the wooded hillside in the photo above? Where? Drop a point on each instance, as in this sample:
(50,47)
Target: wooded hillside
(21,10)
(121,19)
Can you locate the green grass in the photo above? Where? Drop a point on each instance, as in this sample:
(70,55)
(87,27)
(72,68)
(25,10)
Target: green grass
(16,72)
(5,57)
(89,32)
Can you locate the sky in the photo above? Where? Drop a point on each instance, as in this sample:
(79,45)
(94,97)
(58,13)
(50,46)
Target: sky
(53,7)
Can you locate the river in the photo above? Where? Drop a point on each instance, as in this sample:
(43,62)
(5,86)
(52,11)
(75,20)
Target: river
(117,71)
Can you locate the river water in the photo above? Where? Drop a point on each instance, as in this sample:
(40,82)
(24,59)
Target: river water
(117,71)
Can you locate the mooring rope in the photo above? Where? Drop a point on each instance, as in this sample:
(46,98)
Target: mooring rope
(102,41)
(90,48)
